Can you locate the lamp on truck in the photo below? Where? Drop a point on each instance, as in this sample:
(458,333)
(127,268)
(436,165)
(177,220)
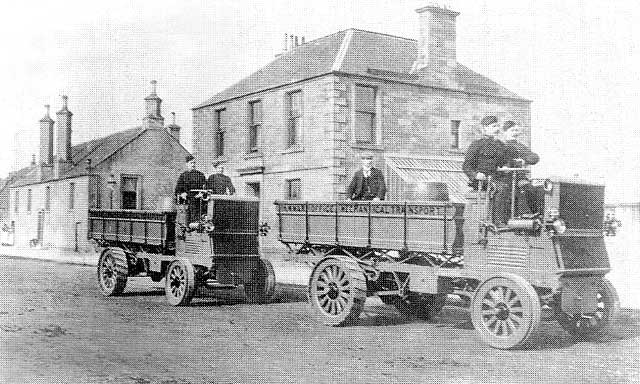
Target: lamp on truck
(559,226)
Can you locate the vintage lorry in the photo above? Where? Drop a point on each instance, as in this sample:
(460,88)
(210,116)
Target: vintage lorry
(412,254)
(216,248)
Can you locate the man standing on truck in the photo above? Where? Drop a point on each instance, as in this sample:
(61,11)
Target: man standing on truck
(220,183)
(188,180)
(482,160)
(367,182)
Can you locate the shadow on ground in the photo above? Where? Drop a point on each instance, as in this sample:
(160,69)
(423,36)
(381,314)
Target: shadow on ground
(549,336)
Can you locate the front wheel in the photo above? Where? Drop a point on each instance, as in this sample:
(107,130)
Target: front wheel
(262,286)
(588,325)
(505,311)
(180,284)
(337,290)
(113,271)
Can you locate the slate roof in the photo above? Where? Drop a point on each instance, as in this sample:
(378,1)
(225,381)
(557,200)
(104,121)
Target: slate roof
(413,169)
(358,52)
(98,150)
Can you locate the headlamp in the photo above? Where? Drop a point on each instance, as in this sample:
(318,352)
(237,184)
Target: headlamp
(559,226)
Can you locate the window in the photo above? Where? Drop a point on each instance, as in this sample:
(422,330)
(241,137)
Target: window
(294,117)
(365,114)
(253,189)
(16,201)
(255,121)
(29,195)
(72,195)
(293,188)
(455,134)
(219,132)
(129,192)
(47,198)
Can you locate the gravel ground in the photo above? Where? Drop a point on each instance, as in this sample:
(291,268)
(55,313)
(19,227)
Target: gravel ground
(56,327)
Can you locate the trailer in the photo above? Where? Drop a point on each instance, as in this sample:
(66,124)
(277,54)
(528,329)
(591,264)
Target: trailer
(412,254)
(216,248)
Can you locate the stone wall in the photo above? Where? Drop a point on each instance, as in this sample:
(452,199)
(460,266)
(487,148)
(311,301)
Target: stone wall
(410,120)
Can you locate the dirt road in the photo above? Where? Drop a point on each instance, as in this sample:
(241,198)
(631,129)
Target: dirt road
(56,327)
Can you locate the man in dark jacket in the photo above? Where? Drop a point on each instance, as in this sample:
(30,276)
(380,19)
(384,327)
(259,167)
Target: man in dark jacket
(220,183)
(367,182)
(188,180)
(485,155)
(482,159)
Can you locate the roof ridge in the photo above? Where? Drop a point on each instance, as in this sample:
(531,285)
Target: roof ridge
(383,34)
(342,52)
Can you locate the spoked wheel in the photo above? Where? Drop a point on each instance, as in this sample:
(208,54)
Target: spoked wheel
(180,284)
(588,325)
(505,311)
(261,288)
(337,290)
(113,271)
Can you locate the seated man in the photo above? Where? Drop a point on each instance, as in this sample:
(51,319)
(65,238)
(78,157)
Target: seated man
(519,155)
(482,160)
(220,183)
(368,182)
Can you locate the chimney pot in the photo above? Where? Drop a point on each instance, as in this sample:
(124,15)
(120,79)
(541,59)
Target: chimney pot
(46,138)
(63,136)
(302,43)
(296,41)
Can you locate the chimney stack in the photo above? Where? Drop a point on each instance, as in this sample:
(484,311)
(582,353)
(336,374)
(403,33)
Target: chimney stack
(46,139)
(153,117)
(63,132)
(174,129)
(437,38)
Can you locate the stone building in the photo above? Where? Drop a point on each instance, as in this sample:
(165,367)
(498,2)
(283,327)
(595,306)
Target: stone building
(131,169)
(294,128)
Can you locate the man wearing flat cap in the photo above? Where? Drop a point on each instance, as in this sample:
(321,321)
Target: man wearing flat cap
(367,182)
(482,160)
(188,180)
(220,183)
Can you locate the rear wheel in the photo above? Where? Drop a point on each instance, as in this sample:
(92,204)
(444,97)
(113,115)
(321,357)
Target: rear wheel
(593,324)
(505,311)
(261,288)
(180,284)
(337,290)
(113,271)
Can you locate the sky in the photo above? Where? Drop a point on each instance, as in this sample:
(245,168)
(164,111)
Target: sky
(576,60)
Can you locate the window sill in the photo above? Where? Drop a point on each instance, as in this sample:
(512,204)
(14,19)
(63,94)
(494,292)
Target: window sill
(220,159)
(371,147)
(293,149)
(253,154)
(452,151)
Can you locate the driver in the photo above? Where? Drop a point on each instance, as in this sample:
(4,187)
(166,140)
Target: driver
(519,155)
